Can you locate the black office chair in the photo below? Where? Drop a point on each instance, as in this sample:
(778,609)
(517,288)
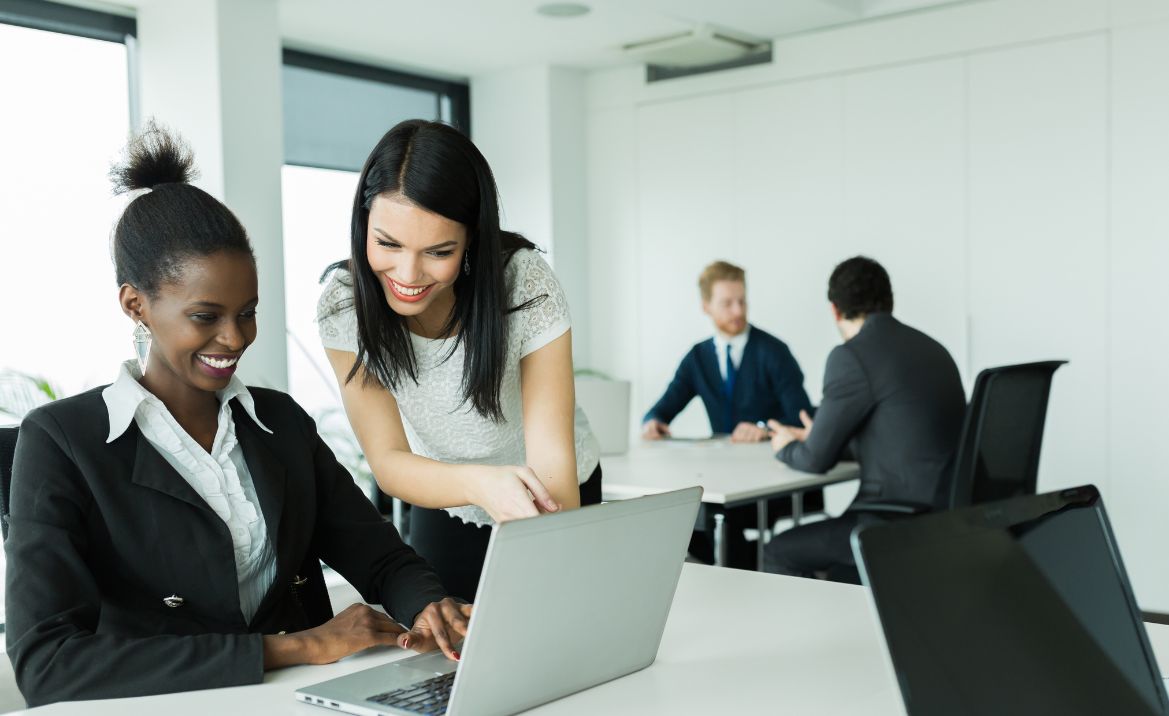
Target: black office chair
(998,453)
(1002,433)
(998,450)
(7,454)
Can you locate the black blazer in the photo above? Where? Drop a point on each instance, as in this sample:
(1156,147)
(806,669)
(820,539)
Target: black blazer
(895,394)
(768,384)
(101,534)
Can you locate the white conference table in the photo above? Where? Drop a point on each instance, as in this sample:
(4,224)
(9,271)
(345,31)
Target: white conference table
(731,475)
(735,641)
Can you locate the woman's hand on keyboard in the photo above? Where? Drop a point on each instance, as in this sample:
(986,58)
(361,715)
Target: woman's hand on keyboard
(440,625)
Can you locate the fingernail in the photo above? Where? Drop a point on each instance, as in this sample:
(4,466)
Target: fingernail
(457,656)
(406,642)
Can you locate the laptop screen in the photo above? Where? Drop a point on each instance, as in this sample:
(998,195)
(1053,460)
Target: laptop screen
(1020,606)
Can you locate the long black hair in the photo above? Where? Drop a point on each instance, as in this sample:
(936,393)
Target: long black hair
(439,169)
(175,221)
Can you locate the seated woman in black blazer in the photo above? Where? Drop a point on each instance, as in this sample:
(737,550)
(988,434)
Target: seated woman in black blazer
(167,530)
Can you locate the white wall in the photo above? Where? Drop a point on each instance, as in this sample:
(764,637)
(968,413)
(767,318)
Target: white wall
(1006,160)
(530,125)
(210,70)
(510,123)
(1138,382)
(569,212)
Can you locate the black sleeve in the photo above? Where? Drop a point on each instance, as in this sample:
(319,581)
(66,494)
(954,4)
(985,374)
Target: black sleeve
(678,395)
(352,538)
(845,405)
(54,601)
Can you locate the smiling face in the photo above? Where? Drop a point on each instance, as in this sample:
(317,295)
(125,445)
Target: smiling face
(416,255)
(201,322)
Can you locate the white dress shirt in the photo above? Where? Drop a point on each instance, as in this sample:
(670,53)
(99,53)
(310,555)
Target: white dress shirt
(737,343)
(221,478)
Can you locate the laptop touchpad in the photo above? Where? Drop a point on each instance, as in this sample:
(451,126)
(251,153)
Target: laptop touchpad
(404,675)
(432,663)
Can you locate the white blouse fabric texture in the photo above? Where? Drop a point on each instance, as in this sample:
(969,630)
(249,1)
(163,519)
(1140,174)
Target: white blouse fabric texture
(221,478)
(438,423)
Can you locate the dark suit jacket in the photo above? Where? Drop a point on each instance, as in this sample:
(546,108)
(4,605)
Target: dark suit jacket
(100,534)
(895,394)
(768,384)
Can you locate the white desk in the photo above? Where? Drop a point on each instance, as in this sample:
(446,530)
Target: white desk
(735,641)
(730,475)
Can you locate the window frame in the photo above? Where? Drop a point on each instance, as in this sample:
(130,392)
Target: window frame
(457,93)
(79,22)
(68,20)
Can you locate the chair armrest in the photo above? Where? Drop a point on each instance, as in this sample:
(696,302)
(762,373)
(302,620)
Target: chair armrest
(893,508)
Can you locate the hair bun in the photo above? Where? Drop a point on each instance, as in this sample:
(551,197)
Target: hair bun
(153,156)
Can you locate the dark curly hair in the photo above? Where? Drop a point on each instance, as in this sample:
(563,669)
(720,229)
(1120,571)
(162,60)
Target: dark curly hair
(174,221)
(860,286)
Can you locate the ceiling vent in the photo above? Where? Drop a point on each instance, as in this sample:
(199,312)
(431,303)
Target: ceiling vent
(701,49)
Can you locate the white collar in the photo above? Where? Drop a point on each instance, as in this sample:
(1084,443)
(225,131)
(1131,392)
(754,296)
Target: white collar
(125,394)
(737,343)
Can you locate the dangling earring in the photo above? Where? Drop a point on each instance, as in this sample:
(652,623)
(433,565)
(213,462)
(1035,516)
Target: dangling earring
(142,339)
(467,262)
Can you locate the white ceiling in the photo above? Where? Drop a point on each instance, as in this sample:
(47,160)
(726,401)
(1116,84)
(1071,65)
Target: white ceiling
(462,38)
(469,37)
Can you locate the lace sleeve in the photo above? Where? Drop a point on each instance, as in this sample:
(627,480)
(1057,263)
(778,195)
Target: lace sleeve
(546,319)
(336,315)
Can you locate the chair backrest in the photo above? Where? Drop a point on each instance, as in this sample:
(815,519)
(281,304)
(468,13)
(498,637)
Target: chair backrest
(998,453)
(7,453)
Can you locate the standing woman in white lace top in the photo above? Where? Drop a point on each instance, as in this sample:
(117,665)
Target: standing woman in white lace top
(451,342)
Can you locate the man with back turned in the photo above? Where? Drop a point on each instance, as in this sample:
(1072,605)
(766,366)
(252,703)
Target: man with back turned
(893,395)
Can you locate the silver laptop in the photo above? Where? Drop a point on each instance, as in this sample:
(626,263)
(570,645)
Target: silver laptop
(554,592)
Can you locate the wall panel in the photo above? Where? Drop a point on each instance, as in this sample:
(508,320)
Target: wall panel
(904,193)
(1139,293)
(1038,236)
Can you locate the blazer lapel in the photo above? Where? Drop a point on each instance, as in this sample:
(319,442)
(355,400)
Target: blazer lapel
(745,363)
(151,470)
(215,568)
(270,480)
(717,410)
(268,475)
(714,378)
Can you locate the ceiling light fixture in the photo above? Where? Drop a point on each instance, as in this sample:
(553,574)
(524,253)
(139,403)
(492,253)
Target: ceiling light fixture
(562,9)
(699,46)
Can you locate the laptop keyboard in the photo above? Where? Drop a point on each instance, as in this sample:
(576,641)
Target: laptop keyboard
(428,697)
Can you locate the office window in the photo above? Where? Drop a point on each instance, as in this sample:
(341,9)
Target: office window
(66,117)
(316,233)
(334,113)
(66,99)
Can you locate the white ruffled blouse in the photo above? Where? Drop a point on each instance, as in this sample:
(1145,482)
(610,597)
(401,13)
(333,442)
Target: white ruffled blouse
(221,478)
